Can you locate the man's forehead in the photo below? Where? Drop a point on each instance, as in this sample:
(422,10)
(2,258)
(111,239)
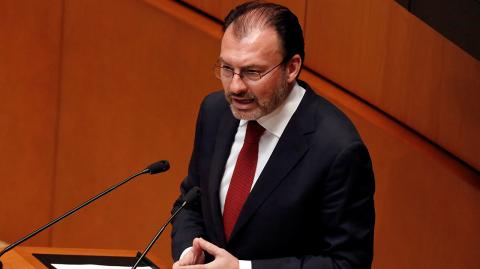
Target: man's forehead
(248,32)
(250,37)
(256,39)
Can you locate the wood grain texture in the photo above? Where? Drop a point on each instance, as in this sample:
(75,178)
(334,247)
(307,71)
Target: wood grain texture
(29,74)
(391,59)
(427,204)
(133,76)
(220,8)
(14,260)
(22,257)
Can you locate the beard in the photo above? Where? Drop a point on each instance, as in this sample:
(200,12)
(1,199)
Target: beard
(264,107)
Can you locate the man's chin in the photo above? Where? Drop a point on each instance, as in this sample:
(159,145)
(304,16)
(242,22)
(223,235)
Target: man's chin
(246,114)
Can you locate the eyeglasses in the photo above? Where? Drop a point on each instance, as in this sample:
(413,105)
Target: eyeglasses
(223,72)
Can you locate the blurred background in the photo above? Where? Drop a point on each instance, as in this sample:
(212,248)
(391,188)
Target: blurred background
(92,91)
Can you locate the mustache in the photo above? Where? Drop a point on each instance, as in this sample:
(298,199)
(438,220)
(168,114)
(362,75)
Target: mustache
(244,95)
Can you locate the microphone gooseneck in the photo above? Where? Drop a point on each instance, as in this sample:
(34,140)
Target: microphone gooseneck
(154,168)
(191,196)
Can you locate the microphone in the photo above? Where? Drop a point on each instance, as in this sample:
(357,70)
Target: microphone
(157,167)
(154,168)
(191,196)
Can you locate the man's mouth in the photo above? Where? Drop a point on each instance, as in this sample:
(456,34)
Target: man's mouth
(242,103)
(243,100)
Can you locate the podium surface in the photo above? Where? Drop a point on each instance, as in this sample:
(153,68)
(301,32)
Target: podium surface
(22,257)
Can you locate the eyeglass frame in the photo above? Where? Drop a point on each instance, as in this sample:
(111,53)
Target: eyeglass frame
(241,74)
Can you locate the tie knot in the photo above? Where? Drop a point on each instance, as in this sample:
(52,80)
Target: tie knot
(254,132)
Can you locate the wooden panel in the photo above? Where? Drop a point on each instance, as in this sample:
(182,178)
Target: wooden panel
(22,257)
(115,85)
(131,85)
(391,59)
(14,260)
(133,76)
(220,8)
(427,205)
(29,57)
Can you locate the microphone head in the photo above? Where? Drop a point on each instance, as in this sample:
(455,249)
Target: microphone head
(193,194)
(158,167)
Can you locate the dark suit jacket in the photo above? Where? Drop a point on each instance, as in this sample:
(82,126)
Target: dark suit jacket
(312,206)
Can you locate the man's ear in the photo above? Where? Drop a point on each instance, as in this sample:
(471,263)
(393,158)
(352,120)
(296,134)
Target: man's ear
(293,68)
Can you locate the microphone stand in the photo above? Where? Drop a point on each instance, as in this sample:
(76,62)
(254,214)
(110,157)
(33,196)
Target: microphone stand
(155,238)
(152,169)
(189,197)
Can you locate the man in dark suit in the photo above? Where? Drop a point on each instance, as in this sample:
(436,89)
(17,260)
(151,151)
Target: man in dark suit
(286,180)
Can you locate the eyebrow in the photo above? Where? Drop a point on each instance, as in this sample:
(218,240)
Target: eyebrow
(222,61)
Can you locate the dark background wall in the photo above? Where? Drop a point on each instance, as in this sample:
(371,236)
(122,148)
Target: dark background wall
(458,20)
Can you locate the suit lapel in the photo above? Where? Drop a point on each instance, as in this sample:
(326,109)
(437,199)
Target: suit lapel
(288,151)
(223,143)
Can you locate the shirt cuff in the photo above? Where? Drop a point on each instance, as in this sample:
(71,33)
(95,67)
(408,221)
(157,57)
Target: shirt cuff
(185,252)
(242,264)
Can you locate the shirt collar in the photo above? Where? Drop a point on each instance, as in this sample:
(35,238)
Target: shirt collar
(276,121)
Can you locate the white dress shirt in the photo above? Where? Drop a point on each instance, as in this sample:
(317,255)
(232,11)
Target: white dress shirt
(274,124)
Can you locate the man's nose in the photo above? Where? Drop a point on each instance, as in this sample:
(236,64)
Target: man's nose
(237,85)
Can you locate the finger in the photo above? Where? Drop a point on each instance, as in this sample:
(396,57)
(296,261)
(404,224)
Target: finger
(198,266)
(187,259)
(196,246)
(195,243)
(209,247)
(197,251)
(182,262)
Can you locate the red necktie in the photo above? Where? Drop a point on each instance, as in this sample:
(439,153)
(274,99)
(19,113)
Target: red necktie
(242,177)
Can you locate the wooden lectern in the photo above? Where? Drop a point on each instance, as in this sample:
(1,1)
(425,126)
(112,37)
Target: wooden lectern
(26,257)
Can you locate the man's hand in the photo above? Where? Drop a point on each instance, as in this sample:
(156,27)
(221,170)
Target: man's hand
(194,256)
(223,259)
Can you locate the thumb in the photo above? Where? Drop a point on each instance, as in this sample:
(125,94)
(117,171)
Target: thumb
(208,247)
